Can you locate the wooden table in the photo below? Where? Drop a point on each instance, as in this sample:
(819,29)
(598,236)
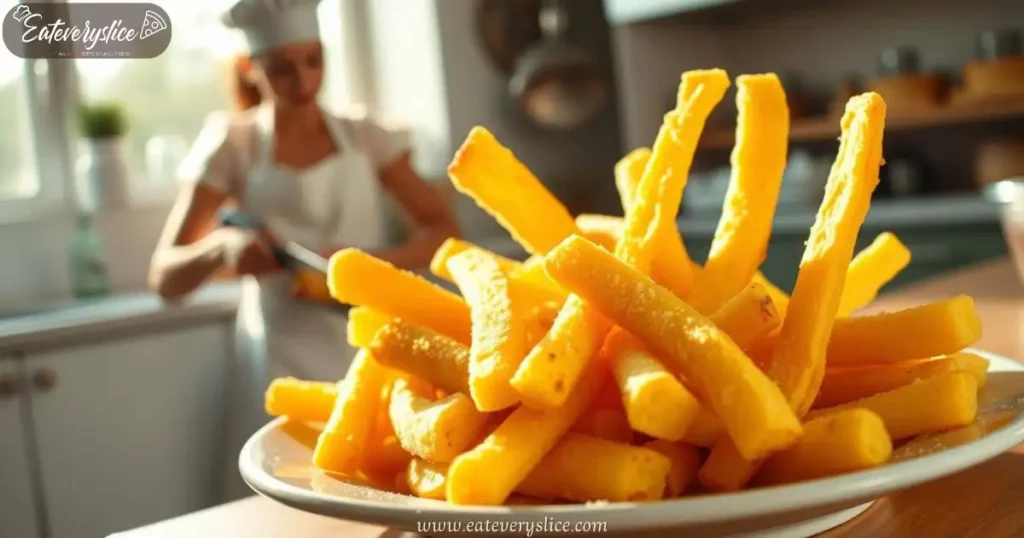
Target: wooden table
(985,501)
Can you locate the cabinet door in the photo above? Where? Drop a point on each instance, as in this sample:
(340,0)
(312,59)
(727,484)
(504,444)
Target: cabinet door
(17,495)
(128,429)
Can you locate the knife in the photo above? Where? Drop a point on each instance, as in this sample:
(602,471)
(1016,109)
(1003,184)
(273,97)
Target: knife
(289,254)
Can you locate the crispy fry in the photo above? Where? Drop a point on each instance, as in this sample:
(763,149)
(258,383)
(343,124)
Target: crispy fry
(434,430)
(685,460)
(705,430)
(310,401)
(423,353)
(490,174)
(384,452)
(398,293)
(539,320)
(605,423)
(603,230)
(758,160)
(452,247)
(627,473)
(937,403)
(499,330)
(660,189)
(363,323)
(779,298)
(489,472)
(551,369)
(921,332)
(427,479)
(656,402)
(340,447)
(871,269)
(532,274)
(751,408)
(628,172)
(748,316)
(844,385)
(843,442)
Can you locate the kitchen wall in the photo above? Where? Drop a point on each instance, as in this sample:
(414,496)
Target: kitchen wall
(824,41)
(435,80)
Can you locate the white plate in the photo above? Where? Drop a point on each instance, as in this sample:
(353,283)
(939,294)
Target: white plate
(275,462)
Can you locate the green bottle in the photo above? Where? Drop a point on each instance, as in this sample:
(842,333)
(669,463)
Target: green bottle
(88,270)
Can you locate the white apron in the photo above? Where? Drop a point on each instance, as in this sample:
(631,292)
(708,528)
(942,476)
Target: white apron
(335,202)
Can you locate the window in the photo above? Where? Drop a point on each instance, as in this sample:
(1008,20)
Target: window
(166,99)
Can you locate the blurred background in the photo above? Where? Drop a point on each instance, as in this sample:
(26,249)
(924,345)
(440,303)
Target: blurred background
(76,237)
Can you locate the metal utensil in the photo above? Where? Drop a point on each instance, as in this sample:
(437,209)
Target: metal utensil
(288,253)
(557,84)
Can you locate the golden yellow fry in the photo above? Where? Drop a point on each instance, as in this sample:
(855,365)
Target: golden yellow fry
(925,331)
(432,357)
(844,385)
(798,363)
(532,275)
(605,423)
(851,440)
(398,293)
(584,468)
(426,479)
(310,401)
(434,430)
(872,269)
(670,266)
(628,171)
(452,247)
(779,298)
(749,315)
(489,472)
(490,174)
(603,230)
(384,453)
(706,429)
(758,161)
(363,324)
(659,192)
(751,407)
(656,402)
(685,461)
(499,329)
(938,403)
(341,446)
(551,369)
(540,317)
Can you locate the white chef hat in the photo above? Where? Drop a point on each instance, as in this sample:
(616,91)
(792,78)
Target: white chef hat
(268,24)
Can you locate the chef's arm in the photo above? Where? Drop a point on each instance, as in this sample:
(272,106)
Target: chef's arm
(187,254)
(432,219)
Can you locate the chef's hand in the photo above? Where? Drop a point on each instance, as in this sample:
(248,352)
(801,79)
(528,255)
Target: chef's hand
(247,252)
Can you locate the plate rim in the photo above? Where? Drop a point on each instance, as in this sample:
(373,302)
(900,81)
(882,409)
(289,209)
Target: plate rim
(704,509)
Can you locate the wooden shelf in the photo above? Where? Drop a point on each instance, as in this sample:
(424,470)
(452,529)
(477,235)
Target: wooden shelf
(812,129)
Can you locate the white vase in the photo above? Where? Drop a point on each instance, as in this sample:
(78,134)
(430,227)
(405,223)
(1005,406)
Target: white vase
(103,175)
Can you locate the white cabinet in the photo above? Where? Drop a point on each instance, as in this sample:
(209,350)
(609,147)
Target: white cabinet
(125,430)
(18,511)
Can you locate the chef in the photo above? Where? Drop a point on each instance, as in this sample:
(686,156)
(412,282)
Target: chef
(312,177)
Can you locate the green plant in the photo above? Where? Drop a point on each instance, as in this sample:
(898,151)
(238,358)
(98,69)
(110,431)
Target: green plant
(102,120)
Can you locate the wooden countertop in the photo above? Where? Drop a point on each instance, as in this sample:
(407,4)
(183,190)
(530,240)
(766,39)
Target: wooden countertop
(982,501)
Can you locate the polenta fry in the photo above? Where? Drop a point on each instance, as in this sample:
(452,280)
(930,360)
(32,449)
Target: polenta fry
(602,230)
(434,430)
(432,357)
(397,293)
(310,401)
(870,270)
(426,478)
(499,329)
(751,408)
(921,332)
(490,174)
(605,423)
(452,247)
(685,460)
(758,161)
(628,172)
(363,324)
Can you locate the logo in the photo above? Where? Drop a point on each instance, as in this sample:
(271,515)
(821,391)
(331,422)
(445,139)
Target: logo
(47,30)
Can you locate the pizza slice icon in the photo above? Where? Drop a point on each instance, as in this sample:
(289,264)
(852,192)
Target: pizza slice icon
(152,24)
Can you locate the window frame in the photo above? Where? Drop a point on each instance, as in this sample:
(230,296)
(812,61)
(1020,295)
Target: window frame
(53,89)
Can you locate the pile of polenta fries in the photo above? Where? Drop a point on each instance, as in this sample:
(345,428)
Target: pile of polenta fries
(609,366)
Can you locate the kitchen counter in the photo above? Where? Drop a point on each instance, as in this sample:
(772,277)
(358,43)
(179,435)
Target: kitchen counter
(982,501)
(55,325)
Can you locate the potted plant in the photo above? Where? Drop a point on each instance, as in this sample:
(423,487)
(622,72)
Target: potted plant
(103,168)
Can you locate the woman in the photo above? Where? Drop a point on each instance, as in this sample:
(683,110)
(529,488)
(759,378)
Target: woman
(313,178)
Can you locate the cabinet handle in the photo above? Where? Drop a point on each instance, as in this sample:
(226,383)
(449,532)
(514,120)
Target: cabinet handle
(44,379)
(10,386)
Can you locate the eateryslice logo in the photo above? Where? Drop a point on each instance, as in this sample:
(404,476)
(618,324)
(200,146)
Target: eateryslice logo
(36,29)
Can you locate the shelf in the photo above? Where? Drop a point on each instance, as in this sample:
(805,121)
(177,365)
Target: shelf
(812,129)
